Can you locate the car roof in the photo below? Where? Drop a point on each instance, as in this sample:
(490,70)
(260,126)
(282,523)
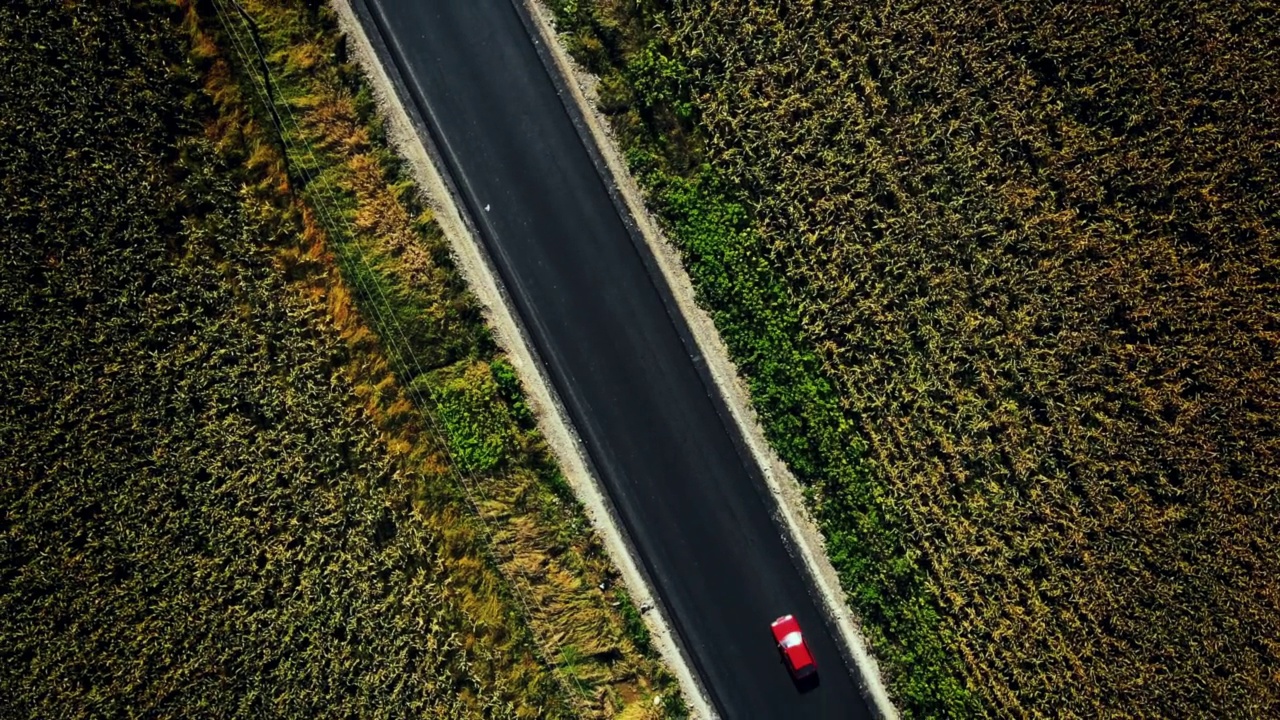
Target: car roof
(799,655)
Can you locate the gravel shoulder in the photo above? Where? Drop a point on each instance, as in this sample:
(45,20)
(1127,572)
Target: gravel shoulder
(805,538)
(410,138)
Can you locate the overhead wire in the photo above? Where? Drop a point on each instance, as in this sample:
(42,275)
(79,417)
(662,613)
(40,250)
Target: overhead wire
(400,349)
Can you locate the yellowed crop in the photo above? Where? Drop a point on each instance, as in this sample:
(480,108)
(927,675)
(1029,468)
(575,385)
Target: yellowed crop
(1032,248)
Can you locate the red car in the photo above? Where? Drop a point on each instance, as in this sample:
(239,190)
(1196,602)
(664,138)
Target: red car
(786,632)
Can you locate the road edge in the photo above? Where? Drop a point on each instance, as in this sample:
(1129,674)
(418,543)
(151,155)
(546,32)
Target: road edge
(803,534)
(410,138)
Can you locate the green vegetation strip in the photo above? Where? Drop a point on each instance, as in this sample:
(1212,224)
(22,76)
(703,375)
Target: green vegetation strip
(706,216)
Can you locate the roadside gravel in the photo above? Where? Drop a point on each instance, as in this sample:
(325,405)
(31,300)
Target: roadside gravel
(411,141)
(803,536)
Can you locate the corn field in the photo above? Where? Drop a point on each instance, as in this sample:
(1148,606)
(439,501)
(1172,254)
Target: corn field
(1020,261)
(217,496)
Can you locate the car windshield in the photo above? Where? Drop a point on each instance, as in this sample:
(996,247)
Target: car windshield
(791,639)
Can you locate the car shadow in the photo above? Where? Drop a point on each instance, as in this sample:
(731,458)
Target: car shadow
(807,684)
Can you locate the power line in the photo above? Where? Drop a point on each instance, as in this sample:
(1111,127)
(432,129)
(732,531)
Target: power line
(468,485)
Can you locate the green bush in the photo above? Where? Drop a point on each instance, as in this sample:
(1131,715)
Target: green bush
(476,423)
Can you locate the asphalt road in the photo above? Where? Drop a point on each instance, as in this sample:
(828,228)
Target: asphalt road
(691,500)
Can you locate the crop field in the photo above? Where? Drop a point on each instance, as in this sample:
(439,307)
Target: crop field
(390,263)
(1003,277)
(221,494)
